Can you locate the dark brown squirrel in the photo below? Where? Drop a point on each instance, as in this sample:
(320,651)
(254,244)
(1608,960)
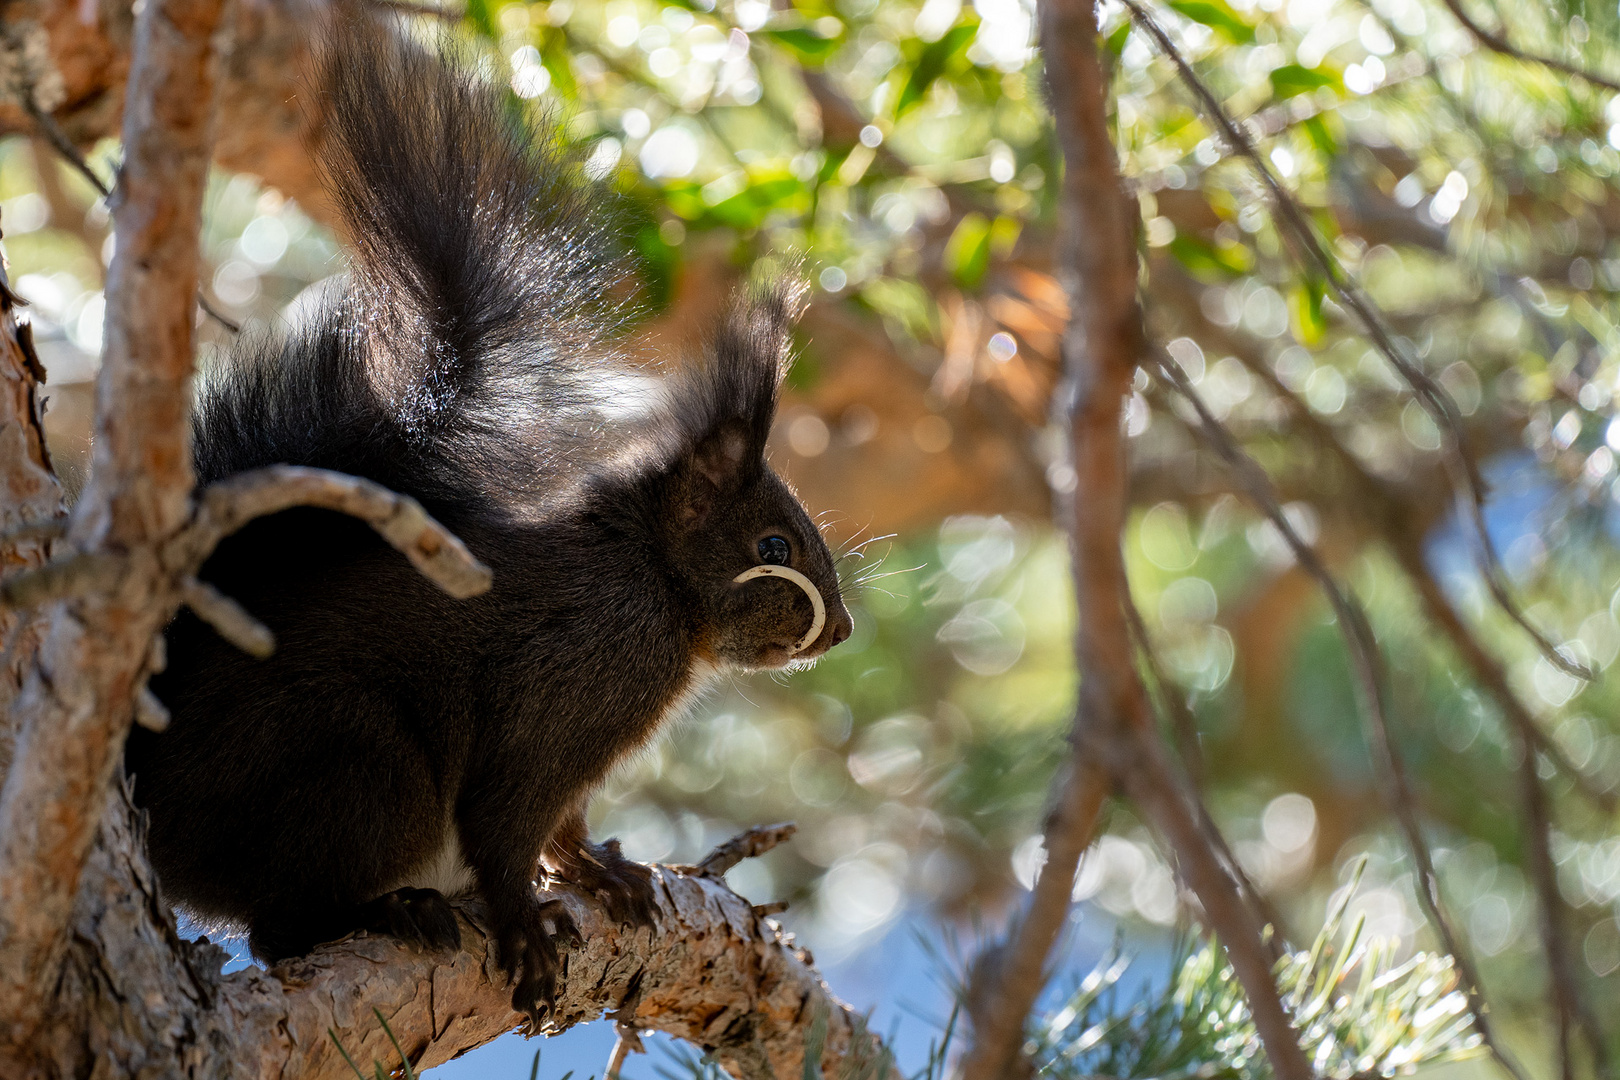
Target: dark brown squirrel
(400,746)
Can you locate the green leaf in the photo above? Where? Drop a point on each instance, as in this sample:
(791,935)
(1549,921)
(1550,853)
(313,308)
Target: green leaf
(1115,42)
(1205,260)
(1321,136)
(808,47)
(344,1051)
(1292,79)
(410,1074)
(1004,235)
(749,207)
(1218,16)
(967,252)
(932,64)
(1305,312)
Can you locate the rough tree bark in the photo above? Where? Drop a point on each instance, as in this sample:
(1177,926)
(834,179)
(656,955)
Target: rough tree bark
(31,506)
(94,978)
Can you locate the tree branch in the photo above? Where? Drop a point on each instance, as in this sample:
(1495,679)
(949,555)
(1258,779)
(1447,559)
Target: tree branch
(31,507)
(135,1000)
(1529,741)
(226,506)
(1499,43)
(1114,742)
(1430,395)
(1368,681)
(77,702)
(746,845)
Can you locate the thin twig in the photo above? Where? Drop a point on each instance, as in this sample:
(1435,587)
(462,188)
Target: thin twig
(53,134)
(1381,501)
(1569,1004)
(75,575)
(226,506)
(1489,674)
(1172,701)
(626,1042)
(745,845)
(228,618)
(1568,998)
(1498,43)
(213,313)
(1430,395)
(1365,663)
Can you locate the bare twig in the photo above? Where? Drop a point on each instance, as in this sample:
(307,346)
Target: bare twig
(1498,43)
(48,529)
(228,618)
(1172,702)
(52,132)
(1368,681)
(627,1041)
(150,713)
(1569,1005)
(1396,510)
(1007,978)
(214,313)
(1568,1000)
(746,845)
(77,575)
(1430,395)
(226,506)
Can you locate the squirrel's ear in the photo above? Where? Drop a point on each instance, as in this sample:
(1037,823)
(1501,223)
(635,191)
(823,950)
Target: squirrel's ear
(726,404)
(716,467)
(721,457)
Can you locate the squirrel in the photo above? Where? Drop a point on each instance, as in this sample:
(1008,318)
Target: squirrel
(400,747)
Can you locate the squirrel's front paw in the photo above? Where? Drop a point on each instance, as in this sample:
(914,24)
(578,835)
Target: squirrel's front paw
(624,887)
(527,951)
(420,916)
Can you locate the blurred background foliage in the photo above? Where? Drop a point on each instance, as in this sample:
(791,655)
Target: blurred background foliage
(904,151)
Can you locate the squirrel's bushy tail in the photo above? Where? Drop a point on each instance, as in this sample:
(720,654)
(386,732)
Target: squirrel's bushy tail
(478,295)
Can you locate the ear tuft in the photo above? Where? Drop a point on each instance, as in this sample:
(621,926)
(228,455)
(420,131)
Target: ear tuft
(724,405)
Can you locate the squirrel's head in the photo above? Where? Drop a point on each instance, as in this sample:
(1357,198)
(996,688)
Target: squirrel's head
(732,517)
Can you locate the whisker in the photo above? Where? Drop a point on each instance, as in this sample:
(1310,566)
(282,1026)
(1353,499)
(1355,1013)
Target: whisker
(874,577)
(857,548)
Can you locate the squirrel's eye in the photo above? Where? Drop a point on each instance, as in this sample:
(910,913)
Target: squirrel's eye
(774,549)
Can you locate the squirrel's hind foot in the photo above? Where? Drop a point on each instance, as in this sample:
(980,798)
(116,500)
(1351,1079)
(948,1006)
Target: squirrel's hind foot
(527,952)
(419,916)
(624,887)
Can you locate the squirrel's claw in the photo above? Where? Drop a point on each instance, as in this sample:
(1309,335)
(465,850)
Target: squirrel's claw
(624,887)
(419,916)
(528,953)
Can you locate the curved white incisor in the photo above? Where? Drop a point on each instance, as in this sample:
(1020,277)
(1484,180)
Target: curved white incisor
(787,573)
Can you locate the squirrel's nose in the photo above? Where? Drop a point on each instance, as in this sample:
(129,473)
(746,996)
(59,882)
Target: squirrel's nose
(843,626)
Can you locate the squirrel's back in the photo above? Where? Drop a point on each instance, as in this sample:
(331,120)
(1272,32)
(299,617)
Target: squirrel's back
(471,329)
